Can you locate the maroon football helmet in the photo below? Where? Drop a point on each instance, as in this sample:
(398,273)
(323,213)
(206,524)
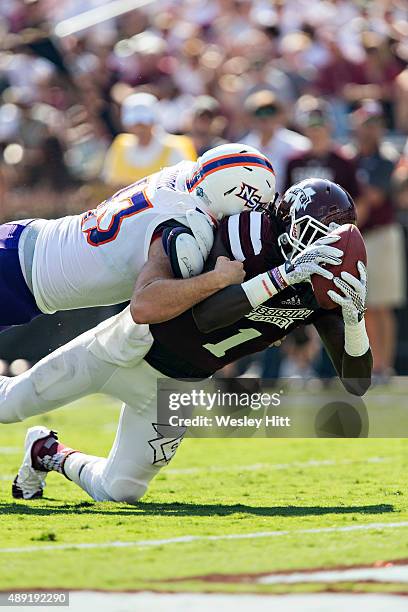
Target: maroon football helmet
(311,209)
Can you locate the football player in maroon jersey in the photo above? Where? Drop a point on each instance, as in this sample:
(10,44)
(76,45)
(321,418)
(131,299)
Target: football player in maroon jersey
(280,249)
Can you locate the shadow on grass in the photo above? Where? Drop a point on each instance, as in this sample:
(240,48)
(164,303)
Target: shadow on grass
(177,509)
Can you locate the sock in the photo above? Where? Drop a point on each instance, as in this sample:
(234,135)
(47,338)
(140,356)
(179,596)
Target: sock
(86,471)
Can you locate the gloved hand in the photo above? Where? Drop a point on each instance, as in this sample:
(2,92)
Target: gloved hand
(306,263)
(189,245)
(203,230)
(354,294)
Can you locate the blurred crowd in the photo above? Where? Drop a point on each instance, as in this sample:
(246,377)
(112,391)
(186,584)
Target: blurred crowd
(320,86)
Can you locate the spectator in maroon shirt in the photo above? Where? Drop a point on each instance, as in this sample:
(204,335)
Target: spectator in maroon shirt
(338,72)
(384,240)
(324,159)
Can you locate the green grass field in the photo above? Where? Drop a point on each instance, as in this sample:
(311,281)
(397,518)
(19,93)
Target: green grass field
(209,489)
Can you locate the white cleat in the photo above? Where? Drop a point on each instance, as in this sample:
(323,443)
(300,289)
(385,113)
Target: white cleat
(29,482)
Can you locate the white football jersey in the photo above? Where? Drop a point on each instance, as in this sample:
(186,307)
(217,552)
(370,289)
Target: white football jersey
(93,259)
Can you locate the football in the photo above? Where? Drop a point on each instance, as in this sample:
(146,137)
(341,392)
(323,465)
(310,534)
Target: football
(352,244)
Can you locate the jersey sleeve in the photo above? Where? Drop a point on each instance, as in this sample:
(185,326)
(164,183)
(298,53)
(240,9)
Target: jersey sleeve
(251,237)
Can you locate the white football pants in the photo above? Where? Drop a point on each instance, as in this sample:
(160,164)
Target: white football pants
(74,371)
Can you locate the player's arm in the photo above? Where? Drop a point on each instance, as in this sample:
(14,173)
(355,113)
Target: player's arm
(344,334)
(354,371)
(158,296)
(228,306)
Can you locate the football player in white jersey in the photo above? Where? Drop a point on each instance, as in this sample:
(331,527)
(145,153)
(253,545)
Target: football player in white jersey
(110,254)
(125,360)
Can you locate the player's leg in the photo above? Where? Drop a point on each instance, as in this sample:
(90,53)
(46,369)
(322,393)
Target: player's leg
(139,450)
(134,460)
(65,375)
(88,364)
(141,447)
(17,303)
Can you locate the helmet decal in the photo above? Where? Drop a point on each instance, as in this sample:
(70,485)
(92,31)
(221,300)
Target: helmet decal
(249,194)
(203,196)
(300,198)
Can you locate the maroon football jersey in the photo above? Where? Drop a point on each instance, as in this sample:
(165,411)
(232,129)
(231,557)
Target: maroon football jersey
(181,350)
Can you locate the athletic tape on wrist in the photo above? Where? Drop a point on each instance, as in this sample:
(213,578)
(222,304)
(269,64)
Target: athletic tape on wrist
(259,289)
(356,342)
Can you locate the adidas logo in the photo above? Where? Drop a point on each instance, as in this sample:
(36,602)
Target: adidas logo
(293,301)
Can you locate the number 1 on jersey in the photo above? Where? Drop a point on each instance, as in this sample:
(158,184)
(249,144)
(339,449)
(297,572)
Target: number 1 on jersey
(219,349)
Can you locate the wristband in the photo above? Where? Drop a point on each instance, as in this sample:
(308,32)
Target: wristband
(356,342)
(259,289)
(279,278)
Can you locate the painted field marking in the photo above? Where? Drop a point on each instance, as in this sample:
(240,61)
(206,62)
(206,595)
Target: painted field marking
(187,539)
(393,573)
(11,450)
(312,463)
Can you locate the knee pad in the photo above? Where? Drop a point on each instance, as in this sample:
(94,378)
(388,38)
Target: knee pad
(127,490)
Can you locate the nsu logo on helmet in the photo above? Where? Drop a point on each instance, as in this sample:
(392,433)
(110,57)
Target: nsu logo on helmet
(250,195)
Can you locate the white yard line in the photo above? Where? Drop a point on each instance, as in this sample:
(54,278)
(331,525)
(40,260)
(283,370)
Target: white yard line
(187,539)
(392,573)
(312,463)
(202,602)
(11,450)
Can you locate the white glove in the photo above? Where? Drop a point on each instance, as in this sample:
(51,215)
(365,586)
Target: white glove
(299,270)
(189,247)
(352,302)
(203,230)
(185,257)
(306,263)
(354,292)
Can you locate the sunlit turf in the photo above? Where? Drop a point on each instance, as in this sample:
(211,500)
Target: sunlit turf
(362,481)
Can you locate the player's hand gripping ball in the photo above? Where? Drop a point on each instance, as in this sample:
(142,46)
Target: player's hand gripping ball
(351,242)
(312,261)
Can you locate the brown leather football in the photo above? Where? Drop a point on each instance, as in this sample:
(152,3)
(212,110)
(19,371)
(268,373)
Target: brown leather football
(352,244)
